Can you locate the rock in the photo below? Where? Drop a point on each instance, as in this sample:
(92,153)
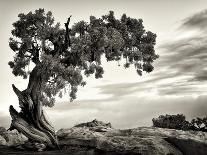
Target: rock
(188,146)
(142,141)
(94,123)
(95,138)
(116,141)
(11,137)
(34,146)
(15,138)
(180,134)
(2,141)
(2,129)
(3,133)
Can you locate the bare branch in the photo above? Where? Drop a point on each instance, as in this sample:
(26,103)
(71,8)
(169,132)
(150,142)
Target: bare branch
(67,37)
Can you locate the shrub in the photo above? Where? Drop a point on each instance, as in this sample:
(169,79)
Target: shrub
(169,121)
(199,124)
(178,122)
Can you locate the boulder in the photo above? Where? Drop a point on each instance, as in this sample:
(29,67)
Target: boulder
(140,141)
(11,138)
(116,141)
(94,123)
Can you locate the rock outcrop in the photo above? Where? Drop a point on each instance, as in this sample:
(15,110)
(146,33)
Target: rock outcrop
(142,140)
(94,123)
(98,138)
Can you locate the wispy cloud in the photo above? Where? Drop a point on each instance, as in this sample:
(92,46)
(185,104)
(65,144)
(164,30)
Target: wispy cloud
(182,67)
(198,21)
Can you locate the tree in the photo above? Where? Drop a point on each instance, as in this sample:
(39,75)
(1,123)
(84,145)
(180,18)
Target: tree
(178,122)
(170,121)
(61,56)
(199,124)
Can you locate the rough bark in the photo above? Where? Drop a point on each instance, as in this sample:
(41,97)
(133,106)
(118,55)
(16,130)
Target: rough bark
(31,120)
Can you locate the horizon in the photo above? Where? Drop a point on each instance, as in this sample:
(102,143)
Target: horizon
(176,86)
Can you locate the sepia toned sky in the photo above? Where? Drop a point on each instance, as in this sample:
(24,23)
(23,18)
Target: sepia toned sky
(177,85)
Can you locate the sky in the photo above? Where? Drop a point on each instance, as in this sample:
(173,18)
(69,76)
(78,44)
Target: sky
(177,85)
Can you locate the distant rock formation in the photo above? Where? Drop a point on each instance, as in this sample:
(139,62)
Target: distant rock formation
(94,123)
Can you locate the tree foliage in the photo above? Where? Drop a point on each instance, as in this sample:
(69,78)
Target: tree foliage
(179,122)
(65,54)
(169,121)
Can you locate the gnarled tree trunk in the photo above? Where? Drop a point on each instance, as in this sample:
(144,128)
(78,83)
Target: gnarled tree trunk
(31,120)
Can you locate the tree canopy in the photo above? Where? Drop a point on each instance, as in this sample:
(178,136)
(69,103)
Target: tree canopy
(66,54)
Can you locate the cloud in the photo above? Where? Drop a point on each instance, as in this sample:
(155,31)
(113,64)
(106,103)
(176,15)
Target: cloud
(198,21)
(127,112)
(181,68)
(188,59)
(5,120)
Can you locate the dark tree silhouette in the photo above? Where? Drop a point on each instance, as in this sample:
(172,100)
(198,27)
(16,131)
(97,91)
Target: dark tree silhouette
(172,122)
(60,56)
(180,123)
